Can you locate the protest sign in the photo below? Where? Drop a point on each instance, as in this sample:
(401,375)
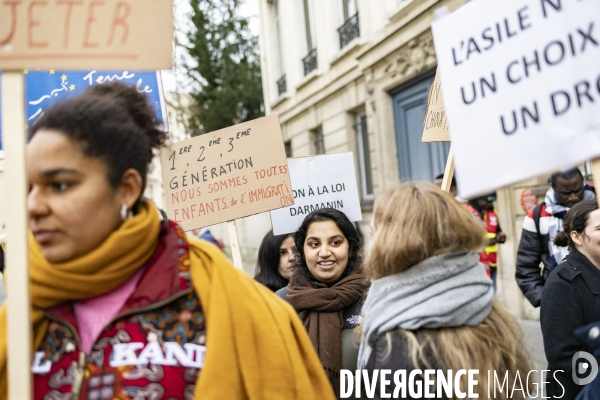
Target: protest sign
(44,88)
(435,125)
(327,181)
(108,34)
(521,88)
(226,174)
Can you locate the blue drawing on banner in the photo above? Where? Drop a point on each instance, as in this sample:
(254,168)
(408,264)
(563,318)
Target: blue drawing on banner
(45,88)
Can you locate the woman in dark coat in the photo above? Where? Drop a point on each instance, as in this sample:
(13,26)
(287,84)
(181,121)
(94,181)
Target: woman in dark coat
(571,297)
(326,288)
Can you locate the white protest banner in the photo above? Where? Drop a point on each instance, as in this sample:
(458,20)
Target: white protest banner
(108,34)
(227,174)
(521,84)
(327,181)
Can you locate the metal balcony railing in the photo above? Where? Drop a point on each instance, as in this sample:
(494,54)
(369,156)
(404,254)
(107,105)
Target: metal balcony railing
(310,62)
(281,85)
(349,30)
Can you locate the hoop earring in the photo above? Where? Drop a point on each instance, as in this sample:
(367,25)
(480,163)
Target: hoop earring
(124,213)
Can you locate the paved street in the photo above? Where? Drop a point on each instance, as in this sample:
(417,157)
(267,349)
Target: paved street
(535,345)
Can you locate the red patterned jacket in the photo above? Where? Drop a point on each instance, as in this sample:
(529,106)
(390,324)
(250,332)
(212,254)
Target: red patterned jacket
(153,349)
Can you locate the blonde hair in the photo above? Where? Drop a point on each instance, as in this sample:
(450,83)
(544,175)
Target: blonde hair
(494,347)
(416,221)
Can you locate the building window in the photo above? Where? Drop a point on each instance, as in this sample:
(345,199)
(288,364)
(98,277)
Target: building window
(281,83)
(348,9)
(318,142)
(288,148)
(364,156)
(586,170)
(281,86)
(310,61)
(349,30)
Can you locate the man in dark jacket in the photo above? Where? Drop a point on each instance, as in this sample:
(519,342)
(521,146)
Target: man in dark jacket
(539,229)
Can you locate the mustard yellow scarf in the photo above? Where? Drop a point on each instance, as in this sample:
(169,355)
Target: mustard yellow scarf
(257,348)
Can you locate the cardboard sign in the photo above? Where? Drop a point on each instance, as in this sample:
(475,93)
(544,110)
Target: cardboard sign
(521,88)
(435,125)
(44,88)
(108,34)
(327,181)
(227,174)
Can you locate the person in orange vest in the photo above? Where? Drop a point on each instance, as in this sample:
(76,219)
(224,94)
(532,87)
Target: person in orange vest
(484,205)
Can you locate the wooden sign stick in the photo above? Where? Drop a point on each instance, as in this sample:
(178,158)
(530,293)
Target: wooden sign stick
(449,171)
(235,244)
(19,304)
(435,128)
(596,177)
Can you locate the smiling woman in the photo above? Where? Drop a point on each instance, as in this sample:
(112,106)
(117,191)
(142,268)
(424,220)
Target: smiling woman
(326,288)
(125,302)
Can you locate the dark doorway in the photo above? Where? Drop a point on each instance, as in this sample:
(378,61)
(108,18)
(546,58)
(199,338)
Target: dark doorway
(417,161)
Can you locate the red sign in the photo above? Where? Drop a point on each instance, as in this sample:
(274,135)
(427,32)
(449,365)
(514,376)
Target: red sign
(528,200)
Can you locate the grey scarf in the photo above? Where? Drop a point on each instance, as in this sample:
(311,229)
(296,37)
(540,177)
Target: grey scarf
(449,290)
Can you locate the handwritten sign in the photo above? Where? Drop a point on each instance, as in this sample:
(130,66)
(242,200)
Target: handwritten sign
(108,34)
(521,88)
(227,174)
(435,125)
(44,88)
(327,181)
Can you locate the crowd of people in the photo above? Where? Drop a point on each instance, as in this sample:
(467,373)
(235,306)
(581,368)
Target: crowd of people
(135,308)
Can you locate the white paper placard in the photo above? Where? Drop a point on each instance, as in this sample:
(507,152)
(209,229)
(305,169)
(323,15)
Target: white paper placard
(521,84)
(319,182)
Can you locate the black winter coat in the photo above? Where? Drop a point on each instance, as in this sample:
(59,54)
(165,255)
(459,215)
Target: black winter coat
(533,249)
(571,299)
